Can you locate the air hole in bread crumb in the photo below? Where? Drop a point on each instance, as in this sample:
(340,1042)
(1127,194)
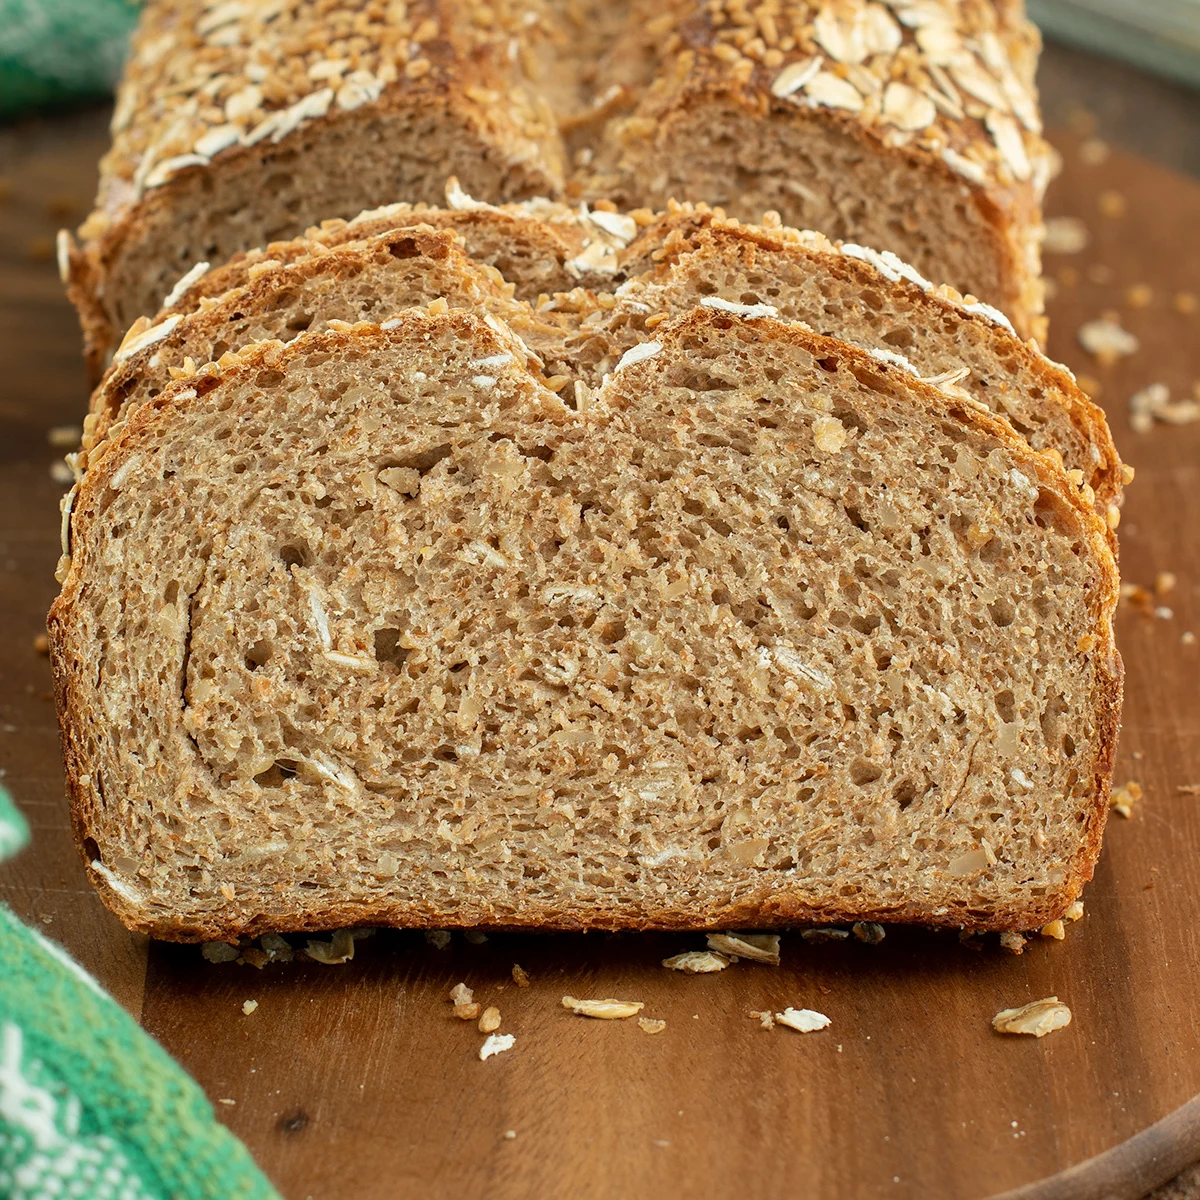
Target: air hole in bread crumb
(904,793)
(1006,706)
(274,776)
(1002,612)
(259,655)
(899,337)
(387,648)
(404,248)
(293,555)
(863,772)
(269,379)
(828,364)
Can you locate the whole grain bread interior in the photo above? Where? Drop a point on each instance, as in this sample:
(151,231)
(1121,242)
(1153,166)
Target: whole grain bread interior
(375,628)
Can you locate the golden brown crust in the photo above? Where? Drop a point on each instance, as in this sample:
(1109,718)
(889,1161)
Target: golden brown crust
(763,908)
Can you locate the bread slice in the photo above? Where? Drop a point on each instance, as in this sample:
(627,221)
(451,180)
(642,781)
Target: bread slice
(373,628)
(639,271)
(362,280)
(876,302)
(911,127)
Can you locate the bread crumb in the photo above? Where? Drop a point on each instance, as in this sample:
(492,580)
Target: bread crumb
(1093,152)
(1065,235)
(41,644)
(1164,583)
(509,1134)
(829,435)
(758,947)
(226,1100)
(1153,402)
(1139,296)
(520,975)
(1106,341)
(219,952)
(64,437)
(1186,303)
(1189,789)
(1075,912)
(249,1006)
(496,1043)
(651,1025)
(825,935)
(1123,798)
(1111,205)
(765,1019)
(61,473)
(1014,943)
(461,994)
(439,939)
(1054,929)
(870,932)
(339,949)
(696,962)
(803,1020)
(490,1021)
(1037,1018)
(1188,638)
(603,1010)
(475,937)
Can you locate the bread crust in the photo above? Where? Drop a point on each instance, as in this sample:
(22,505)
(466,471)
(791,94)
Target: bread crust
(765,908)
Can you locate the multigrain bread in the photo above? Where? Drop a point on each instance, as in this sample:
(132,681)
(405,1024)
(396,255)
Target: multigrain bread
(911,127)
(641,269)
(373,628)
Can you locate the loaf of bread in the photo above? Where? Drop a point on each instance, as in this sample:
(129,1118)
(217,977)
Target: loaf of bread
(641,270)
(910,127)
(383,625)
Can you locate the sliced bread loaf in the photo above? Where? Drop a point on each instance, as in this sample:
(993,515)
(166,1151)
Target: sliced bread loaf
(640,271)
(372,628)
(908,126)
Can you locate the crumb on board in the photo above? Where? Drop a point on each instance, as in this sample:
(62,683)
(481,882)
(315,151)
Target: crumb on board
(1075,912)
(1153,403)
(1188,638)
(490,1021)
(1188,789)
(696,962)
(475,937)
(1037,1018)
(439,939)
(509,1134)
(248,1006)
(41,644)
(64,437)
(1106,340)
(339,949)
(61,473)
(758,947)
(1093,152)
(765,1019)
(1165,582)
(651,1024)
(869,932)
(1054,929)
(603,1010)
(1065,235)
(1140,295)
(1111,204)
(496,1043)
(1013,942)
(1186,303)
(1123,798)
(827,934)
(803,1020)
(520,975)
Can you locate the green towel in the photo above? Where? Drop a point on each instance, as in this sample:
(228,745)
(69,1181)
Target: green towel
(56,50)
(91,1107)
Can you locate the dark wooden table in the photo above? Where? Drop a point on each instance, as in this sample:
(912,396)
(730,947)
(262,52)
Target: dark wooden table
(355,1081)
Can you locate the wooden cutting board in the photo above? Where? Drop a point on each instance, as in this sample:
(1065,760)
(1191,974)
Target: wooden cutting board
(356,1080)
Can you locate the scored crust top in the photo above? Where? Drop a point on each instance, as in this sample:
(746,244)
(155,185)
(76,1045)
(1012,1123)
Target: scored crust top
(953,79)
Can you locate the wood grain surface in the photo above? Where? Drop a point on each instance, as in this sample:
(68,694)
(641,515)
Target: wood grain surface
(356,1081)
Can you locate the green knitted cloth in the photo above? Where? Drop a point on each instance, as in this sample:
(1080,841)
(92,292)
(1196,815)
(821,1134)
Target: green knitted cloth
(91,1107)
(55,50)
